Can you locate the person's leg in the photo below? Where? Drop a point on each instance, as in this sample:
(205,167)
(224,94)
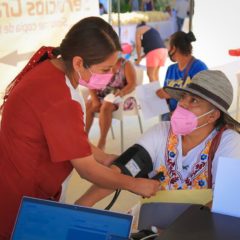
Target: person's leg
(105,120)
(162,57)
(156,73)
(151,63)
(151,72)
(154,60)
(179,23)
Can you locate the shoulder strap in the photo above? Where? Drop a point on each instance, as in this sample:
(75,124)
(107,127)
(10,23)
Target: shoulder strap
(211,154)
(187,70)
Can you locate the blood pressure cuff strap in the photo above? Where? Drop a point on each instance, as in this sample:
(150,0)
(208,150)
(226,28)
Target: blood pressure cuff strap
(135,162)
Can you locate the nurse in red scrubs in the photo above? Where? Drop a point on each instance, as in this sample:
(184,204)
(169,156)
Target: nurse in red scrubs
(42,135)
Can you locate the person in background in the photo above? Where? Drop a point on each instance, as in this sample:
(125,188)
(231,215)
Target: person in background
(122,83)
(134,5)
(154,50)
(42,136)
(180,73)
(182,11)
(102,9)
(168,9)
(185,151)
(147,5)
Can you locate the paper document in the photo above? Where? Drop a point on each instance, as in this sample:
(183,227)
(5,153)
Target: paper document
(226,192)
(150,103)
(112,98)
(194,196)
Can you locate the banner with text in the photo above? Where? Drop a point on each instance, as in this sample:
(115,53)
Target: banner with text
(26,25)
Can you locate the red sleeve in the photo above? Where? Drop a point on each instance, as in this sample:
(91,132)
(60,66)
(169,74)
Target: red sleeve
(63,127)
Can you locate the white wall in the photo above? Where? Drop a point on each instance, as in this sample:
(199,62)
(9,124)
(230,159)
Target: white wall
(25,26)
(216,26)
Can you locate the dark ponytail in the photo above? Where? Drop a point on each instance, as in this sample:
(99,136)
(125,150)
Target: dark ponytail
(182,41)
(190,37)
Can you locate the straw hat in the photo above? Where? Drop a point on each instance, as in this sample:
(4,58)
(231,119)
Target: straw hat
(214,87)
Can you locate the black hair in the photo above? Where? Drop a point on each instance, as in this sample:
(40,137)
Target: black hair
(182,41)
(220,121)
(142,23)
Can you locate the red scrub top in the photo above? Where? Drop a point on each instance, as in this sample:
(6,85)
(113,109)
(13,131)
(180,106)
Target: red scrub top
(42,129)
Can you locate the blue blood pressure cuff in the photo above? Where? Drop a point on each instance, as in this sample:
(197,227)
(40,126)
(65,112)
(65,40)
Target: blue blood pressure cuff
(135,162)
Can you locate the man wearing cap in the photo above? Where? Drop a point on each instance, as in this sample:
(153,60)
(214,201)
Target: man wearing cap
(186,149)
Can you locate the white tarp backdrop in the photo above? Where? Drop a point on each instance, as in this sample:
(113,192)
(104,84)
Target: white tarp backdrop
(25,25)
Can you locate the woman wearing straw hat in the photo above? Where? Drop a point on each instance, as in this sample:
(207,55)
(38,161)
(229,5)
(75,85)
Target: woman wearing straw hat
(186,150)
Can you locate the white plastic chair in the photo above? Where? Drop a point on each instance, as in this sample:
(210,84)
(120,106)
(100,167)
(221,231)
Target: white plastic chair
(120,113)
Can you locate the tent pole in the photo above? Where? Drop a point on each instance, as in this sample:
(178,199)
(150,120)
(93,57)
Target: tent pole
(119,22)
(110,11)
(191,8)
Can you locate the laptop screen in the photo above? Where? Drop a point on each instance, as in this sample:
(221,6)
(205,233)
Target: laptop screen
(42,219)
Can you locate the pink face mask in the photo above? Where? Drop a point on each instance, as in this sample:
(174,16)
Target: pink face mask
(184,122)
(96,81)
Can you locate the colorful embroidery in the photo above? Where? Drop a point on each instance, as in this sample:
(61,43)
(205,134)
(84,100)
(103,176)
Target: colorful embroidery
(171,177)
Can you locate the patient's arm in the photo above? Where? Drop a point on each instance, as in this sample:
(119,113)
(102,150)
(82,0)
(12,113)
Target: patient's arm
(95,193)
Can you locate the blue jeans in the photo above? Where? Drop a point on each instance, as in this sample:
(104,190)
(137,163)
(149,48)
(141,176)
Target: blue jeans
(180,23)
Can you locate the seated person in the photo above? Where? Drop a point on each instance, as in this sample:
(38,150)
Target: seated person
(186,150)
(122,83)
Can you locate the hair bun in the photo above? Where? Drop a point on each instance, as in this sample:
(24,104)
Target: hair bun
(190,37)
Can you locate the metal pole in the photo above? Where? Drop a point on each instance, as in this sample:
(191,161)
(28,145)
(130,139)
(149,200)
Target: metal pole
(191,8)
(110,11)
(119,22)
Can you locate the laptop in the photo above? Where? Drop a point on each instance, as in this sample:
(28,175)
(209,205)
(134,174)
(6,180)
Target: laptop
(42,219)
(226,193)
(198,223)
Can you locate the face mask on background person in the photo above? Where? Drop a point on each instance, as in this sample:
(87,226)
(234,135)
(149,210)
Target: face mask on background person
(97,81)
(184,122)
